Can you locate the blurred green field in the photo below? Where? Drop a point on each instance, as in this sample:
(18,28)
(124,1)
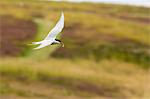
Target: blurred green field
(106,52)
(80,79)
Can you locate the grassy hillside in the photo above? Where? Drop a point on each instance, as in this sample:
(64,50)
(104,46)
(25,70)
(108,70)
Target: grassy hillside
(80,79)
(96,31)
(106,53)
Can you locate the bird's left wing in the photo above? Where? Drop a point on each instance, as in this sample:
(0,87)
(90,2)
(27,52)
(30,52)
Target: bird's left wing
(57,29)
(43,44)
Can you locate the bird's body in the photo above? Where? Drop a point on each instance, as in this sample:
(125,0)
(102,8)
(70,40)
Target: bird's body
(51,37)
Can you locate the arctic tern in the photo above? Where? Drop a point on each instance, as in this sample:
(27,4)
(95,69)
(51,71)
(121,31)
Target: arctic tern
(50,39)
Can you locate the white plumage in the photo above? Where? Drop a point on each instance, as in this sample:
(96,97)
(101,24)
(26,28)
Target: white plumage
(50,39)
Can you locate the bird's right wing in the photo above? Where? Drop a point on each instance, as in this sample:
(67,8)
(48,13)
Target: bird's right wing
(57,29)
(40,46)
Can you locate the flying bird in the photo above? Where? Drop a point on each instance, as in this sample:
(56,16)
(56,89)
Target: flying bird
(50,39)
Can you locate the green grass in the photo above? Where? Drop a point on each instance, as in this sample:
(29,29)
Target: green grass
(76,77)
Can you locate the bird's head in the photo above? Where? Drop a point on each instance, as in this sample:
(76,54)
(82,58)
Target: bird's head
(60,42)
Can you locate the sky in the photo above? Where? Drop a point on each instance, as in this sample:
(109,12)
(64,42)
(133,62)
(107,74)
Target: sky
(145,3)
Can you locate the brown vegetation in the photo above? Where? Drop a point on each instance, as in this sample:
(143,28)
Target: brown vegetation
(13,33)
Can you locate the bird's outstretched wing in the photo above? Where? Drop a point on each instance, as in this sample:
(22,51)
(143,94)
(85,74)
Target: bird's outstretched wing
(57,29)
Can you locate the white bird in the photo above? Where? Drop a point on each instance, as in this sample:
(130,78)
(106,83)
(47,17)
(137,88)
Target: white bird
(50,39)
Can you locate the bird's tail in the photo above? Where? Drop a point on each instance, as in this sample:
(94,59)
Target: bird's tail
(40,44)
(35,43)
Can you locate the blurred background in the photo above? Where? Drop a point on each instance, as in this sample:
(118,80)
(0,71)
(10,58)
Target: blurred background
(106,53)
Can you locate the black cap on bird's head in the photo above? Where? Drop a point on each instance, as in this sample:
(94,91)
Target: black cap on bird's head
(62,44)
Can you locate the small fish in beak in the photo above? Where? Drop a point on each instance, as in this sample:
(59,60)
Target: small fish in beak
(62,44)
